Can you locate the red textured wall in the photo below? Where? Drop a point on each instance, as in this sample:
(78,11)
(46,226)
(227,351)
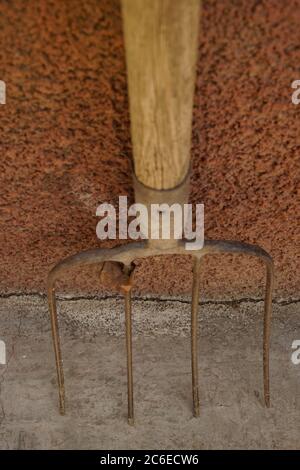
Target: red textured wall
(65,142)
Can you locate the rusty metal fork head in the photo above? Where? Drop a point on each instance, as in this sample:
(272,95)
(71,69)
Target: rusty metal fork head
(125,256)
(120,263)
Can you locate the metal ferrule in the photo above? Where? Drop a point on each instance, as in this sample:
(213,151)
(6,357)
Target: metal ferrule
(158,204)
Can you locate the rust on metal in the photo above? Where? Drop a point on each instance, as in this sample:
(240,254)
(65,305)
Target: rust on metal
(125,256)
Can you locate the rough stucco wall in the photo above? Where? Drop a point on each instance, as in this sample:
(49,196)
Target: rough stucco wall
(65,143)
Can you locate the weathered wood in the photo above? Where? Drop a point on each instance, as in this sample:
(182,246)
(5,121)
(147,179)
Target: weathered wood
(161,38)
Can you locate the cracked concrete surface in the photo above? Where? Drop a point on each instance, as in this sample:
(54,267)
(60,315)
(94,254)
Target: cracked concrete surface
(230,367)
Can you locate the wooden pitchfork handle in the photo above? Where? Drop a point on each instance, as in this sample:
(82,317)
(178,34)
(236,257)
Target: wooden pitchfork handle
(161,38)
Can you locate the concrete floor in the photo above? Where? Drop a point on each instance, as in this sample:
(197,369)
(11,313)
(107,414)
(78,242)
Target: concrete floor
(232,412)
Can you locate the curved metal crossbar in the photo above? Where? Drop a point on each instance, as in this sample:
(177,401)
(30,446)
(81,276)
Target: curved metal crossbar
(126,254)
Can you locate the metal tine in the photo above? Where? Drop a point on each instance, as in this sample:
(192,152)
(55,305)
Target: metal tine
(57,349)
(194,337)
(126,289)
(267,331)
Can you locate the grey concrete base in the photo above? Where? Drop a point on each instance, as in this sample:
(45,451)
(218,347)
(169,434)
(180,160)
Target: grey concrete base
(230,369)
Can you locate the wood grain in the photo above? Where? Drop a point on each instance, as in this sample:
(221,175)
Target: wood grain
(161,38)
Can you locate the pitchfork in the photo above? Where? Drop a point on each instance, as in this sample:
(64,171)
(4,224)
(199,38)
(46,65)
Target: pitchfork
(161,50)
